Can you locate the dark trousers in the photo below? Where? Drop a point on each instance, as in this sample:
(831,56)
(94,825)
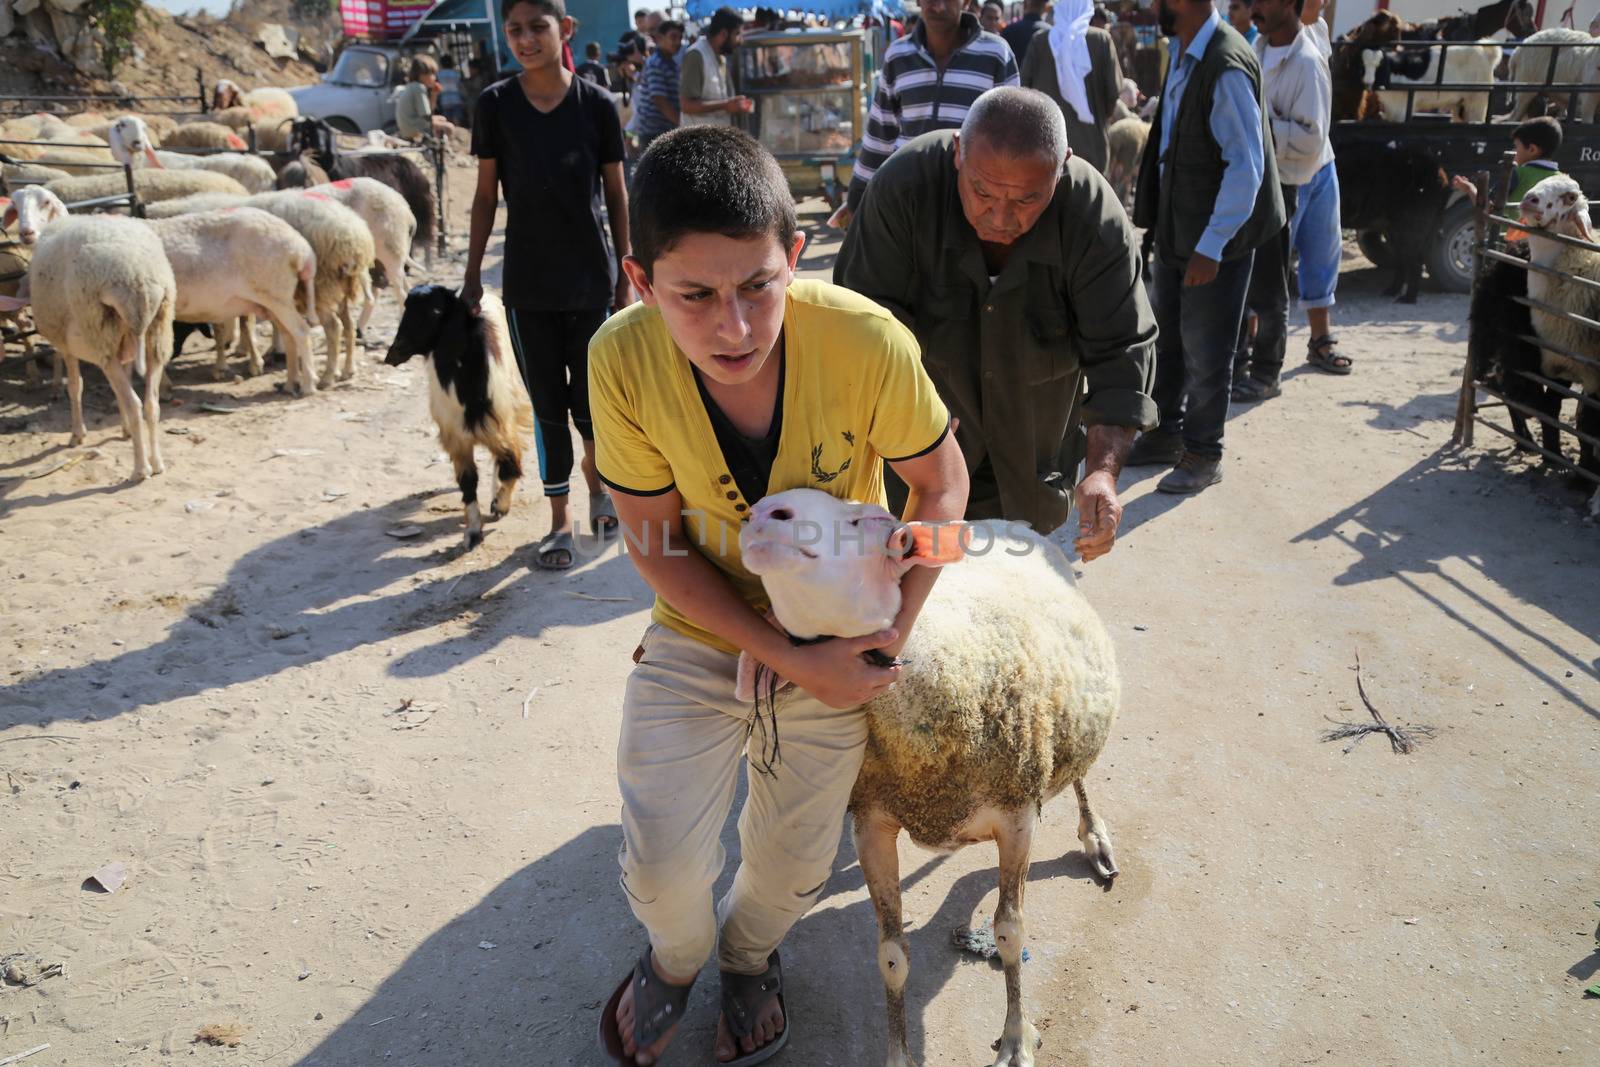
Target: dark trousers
(552,349)
(1268,297)
(1199,328)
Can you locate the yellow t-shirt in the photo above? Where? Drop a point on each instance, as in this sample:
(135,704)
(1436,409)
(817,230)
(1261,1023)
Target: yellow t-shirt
(854,394)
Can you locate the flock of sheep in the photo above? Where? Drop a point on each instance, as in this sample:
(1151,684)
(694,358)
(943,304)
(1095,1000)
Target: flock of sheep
(221,244)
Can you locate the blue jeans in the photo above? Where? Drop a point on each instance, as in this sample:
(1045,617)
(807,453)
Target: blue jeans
(1314,232)
(1198,328)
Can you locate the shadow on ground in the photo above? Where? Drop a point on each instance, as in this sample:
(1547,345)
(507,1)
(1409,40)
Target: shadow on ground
(564,938)
(318,592)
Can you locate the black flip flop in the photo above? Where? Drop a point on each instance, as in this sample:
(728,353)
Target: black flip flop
(657,1007)
(743,998)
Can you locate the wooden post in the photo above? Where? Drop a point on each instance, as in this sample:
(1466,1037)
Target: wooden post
(440,214)
(252,138)
(200,81)
(1467,402)
(135,208)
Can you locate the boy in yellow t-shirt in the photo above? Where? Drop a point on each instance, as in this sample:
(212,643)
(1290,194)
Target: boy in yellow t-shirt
(731,381)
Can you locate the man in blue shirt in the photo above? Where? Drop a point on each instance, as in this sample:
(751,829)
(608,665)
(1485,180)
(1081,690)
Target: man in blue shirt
(1208,187)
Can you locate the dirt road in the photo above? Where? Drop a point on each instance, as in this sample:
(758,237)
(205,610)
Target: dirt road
(363,786)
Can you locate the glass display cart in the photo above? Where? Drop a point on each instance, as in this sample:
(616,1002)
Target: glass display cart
(810,90)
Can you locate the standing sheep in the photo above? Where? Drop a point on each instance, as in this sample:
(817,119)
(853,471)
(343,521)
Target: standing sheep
(390,221)
(130,142)
(475,391)
(103,292)
(204,135)
(1008,690)
(344,250)
(1462,66)
(153,186)
(1578,65)
(14,259)
(1558,205)
(399,172)
(266,102)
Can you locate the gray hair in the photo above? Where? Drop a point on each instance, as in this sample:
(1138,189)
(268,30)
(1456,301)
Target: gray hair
(1017,123)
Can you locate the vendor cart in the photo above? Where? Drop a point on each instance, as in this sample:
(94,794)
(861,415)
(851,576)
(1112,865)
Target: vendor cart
(810,89)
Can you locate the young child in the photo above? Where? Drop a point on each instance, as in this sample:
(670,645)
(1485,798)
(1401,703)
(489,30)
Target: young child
(655,97)
(1534,145)
(729,382)
(552,143)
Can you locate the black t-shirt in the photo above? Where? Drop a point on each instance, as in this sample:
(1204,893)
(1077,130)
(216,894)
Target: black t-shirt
(595,73)
(558,256)
(749,459)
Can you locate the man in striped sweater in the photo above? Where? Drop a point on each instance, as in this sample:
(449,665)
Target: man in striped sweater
(928,82)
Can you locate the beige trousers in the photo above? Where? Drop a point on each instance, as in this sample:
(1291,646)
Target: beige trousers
(677,765)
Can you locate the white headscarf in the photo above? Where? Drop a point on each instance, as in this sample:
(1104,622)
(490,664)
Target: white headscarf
(1069,42)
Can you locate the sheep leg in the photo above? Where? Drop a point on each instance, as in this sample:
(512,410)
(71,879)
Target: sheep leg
(286,319)
(222,337)
(152,409)
(1017,1043)
(348,328)
(466,468)
(75,395)
(875,835)
(128,405)
(507,471)
(1095,837)
(330,327)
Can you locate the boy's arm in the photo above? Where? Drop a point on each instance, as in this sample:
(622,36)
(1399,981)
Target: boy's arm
(616,191)
(833,671)
(484,201)
(938,484)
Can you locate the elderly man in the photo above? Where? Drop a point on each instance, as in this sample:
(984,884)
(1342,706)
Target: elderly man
(1208,187)
(1017,269)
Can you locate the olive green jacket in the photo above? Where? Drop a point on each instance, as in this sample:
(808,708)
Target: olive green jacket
(1087,140)
(1062,338)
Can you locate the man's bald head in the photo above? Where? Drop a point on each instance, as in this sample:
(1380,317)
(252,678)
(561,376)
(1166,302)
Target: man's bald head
(1017,124)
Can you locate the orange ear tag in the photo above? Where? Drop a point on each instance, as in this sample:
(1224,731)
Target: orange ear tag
(938,543)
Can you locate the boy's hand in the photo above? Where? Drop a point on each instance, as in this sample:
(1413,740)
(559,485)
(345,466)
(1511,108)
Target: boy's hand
(1462,185)
(835,673)
(472,292)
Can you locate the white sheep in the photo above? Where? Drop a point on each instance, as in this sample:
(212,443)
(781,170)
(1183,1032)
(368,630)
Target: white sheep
(103,292)
(1557,204)
(1467,65)
(1578,65)
(343,247)
(130,142)
(204,135)
(390,221)
(475,391)
(266,102)
(1007,694)
(15,256)
(153,186)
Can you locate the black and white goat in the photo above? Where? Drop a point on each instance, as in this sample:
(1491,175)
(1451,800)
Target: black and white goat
(1400,191)
(475,391)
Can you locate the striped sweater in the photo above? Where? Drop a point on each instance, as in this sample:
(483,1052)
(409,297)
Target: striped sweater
(913,96)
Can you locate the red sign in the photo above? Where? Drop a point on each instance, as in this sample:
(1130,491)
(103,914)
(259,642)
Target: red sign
(381,20)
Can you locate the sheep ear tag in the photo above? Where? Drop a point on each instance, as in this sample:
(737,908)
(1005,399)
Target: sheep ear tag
(936,544)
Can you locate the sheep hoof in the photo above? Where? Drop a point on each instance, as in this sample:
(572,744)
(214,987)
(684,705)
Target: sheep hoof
(75,440)
(473,539)
(1016,1050)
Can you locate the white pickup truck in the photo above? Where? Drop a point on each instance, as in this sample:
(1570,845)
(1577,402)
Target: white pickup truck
(357,95)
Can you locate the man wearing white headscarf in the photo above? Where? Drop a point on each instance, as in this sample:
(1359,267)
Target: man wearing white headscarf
(1075,64)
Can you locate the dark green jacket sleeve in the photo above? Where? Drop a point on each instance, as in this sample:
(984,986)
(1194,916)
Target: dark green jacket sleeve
(877,259)
(1116,329)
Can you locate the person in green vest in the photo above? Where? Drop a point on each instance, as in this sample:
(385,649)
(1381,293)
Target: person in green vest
(1208,189)
(1534,145)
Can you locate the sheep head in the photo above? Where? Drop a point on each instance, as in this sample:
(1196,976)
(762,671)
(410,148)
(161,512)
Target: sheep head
(225,95)
(33,207)
(1558,204)
(1371,58)
(129,139)
(832,567)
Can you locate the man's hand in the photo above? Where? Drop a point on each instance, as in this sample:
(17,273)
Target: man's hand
(835,673)
(840,220)
(472,292)
(1099,514)
(742,105)
(1202,270)
(624,294)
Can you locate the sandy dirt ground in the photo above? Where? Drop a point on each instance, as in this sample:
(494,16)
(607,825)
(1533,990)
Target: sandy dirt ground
(364,791)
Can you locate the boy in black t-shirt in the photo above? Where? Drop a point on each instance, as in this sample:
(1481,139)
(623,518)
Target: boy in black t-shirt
(552,143)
